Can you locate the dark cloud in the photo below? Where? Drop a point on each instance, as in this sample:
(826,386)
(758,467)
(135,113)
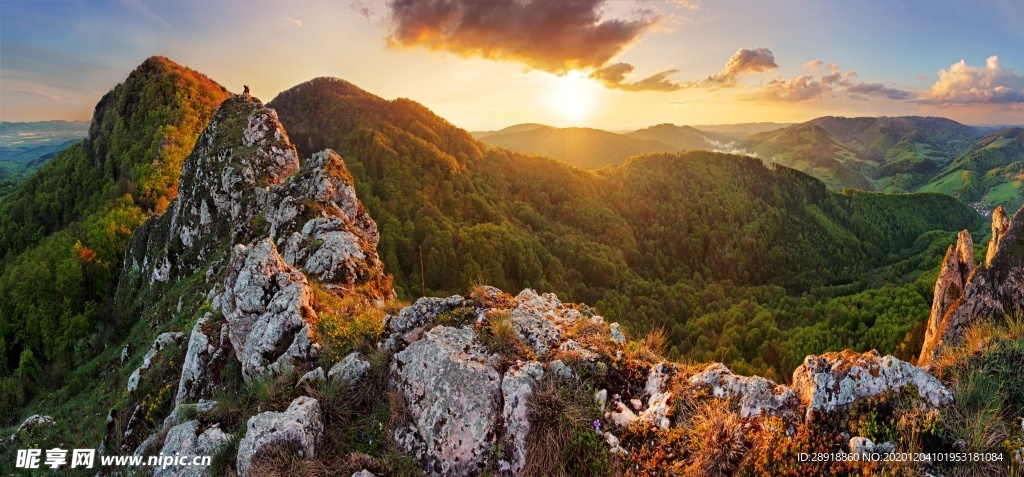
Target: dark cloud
(553,36)
(614,77)
(878,89)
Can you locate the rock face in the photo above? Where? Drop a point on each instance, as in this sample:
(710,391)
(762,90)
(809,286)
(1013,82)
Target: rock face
(834,380)
(185,439)
(462,409)
(251,229)
(209,348)
(299,428)
(267,306)
(757,396)
(949,286)
(454,397)
(988,293)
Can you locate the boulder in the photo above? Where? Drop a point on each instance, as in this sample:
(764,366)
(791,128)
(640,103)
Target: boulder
(834,380)
(757,396)
(299,427)
(350,370)
(267,306)
(453,393)
(186,439)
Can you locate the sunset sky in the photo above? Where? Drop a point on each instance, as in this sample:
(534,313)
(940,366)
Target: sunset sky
(489,64)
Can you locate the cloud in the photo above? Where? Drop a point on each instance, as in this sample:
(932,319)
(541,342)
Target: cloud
(614,77)
(297,23)
(34,93)
(546,35)
(743,61)
(758,60)
(806,86)
(813,65)
(859,90)
(962,84)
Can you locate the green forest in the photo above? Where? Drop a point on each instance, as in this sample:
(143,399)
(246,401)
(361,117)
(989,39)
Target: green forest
(722,256)
(64,230)
(729,258)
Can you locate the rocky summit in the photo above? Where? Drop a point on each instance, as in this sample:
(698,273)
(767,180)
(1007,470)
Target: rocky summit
(966,296)
(274,259)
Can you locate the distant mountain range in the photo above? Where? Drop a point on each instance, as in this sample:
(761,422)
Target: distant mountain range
(27,146)
(983,165)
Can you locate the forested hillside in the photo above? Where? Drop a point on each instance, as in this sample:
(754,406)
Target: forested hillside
(990,172)
(64,230)
(721,251)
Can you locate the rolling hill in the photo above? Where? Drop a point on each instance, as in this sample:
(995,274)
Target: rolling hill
(582,147)
(897,154)
(989,173)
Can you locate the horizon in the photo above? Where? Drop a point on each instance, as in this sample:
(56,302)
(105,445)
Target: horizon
(611,65)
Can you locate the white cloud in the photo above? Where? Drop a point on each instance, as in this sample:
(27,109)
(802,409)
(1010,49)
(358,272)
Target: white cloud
(963,84)
(297,23)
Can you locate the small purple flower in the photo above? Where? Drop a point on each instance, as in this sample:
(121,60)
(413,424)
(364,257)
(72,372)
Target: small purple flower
(597,425)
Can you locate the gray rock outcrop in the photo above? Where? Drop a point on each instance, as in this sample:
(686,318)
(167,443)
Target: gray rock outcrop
(835,380)
(989,292)
(185,439)
(757,396)
(454,394)
(299,428)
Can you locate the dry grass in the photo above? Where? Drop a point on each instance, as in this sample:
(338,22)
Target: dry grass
(498,333)
(716,440)
(562,440)
(650,349)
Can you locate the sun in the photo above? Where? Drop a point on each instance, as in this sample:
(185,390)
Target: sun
(571,97)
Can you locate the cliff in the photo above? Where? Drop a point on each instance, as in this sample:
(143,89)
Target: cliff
(966,295)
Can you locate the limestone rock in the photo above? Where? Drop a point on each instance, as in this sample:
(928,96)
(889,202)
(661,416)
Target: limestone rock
(350,370)
(516,389)
(949,286)
(32,422)
(299,427)
(453,393)
(423,311)
(989,293)
(862,446)
(209,348)
(756,395)
(833,380)
(617,335)
(161,342)
(185,439)
(1000,225)
(312,379)
(658,394)
(535,319)
(267,306)
(177,416)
